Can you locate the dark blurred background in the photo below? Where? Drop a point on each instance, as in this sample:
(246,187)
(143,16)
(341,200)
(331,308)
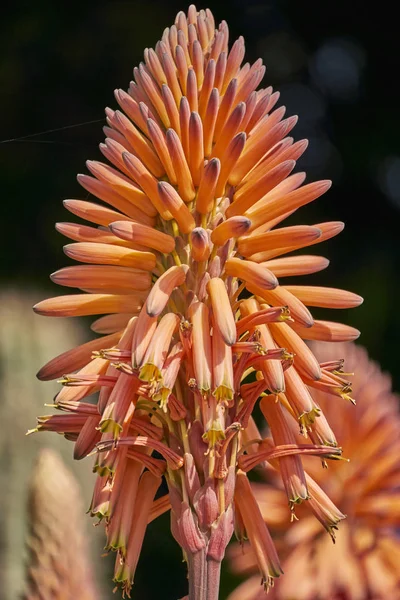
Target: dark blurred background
(336,65)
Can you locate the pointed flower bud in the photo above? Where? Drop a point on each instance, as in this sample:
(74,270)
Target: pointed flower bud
(222,311)
(163,288)
(200,244)
(231,228)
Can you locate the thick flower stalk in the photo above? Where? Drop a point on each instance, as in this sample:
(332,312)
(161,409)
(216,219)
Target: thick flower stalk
(364,561)
(185,264)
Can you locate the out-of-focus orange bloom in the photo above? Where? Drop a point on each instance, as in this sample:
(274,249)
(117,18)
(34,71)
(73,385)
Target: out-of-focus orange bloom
(184,261)
(363,563)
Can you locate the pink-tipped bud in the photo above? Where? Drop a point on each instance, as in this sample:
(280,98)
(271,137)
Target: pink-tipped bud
(181,168)
(223,385)
(141,234)
(163,288)
(200,242)
(206,192)
(173,203)
(231,228)
(222,310)
(251,272)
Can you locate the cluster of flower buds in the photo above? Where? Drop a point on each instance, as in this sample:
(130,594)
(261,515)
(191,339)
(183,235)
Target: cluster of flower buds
(185,264)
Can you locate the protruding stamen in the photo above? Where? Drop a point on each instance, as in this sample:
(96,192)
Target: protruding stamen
(291,468)
(76,358)
(267,315)
(271,369)
(323,508)
(125,569)
(156,353)
(281,297)
(222,368)
(305,361)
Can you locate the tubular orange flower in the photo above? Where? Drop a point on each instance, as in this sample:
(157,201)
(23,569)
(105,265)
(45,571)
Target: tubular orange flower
(185,268)
(363,563)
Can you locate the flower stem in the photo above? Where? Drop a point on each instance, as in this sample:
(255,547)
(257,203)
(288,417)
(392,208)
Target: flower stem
(197,575)
(213,576)
(204,575)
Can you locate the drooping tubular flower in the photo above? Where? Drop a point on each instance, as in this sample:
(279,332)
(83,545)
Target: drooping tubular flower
(185,265)
(363,564)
